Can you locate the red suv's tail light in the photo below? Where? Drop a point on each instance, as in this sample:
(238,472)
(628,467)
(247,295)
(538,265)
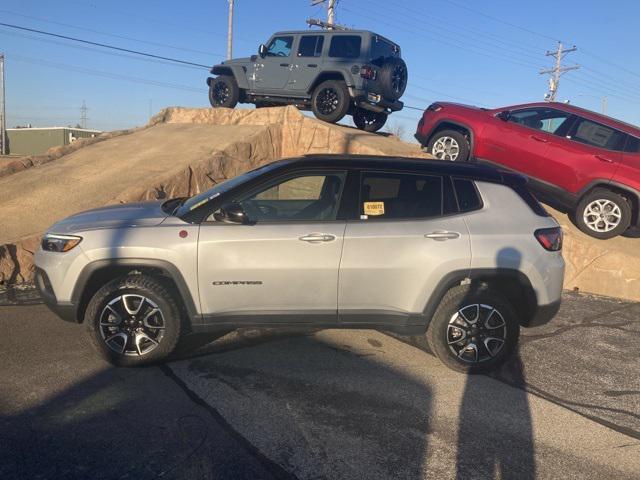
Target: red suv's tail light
(550,238)
(367,71)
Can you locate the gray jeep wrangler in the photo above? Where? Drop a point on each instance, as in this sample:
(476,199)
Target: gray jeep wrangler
(331,72)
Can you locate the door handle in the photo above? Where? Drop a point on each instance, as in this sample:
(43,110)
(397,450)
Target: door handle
(441,235)
(312,65)
(318,237)
(603,159)
(538,139)
(284,64)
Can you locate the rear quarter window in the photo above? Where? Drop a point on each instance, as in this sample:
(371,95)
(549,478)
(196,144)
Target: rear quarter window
(467,195)
(345,46)
(632,145)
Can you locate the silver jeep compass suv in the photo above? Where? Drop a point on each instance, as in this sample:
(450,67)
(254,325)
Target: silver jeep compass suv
(458,252)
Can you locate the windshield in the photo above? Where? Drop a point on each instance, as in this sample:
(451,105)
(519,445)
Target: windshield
(201,199)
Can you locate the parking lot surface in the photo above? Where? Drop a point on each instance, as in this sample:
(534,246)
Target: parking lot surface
(323,404)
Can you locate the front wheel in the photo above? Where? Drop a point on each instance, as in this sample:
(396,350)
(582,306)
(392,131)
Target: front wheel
(449,145)
(224,92)
(603,214)
(369,121)
(330,101)
(474,329)
(133,321)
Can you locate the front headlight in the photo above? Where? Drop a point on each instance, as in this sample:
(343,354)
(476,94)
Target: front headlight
(59,243)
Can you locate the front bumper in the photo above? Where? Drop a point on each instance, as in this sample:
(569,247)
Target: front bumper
(421,138)
(67,311)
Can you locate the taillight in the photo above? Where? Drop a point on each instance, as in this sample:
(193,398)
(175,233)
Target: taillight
(367,71)
(434,107)
(550,238)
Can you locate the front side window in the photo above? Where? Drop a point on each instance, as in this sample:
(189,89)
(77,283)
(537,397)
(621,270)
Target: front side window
(311,46)
(310,197)
(400,195)
(280,47)
(345,46)
(597,135)
(545,119)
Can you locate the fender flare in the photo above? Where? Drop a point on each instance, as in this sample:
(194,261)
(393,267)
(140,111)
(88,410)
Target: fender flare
(455,278)
(168,269)
(472,140)
(237,71)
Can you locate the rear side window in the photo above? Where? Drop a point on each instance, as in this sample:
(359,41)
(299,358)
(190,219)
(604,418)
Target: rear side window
(467,195)
(345,46)
(597,135)
(633,145)
(400,195)
(311,46)
(381,49)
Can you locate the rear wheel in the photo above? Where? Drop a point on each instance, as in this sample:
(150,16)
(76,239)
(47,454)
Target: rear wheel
(369,121)
(224,92)
(474,329)
(330,101)
(133,321)
(603,214)
(449,145)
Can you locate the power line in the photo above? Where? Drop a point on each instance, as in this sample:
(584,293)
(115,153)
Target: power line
(103,45)
(113,35)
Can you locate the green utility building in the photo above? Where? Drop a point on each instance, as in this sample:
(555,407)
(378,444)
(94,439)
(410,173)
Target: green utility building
(36,141)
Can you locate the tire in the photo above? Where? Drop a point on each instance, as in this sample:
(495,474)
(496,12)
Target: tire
(449,145)
(330,101)
(603,214)
(224,92)
(369,121)
(484,305)
(120,298)
(393,77)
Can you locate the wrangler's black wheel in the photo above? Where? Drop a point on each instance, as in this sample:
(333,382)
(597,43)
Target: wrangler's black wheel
(369,121)
(330,101)
(224,92)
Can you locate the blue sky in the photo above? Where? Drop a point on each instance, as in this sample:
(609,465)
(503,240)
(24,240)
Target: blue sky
(483,52)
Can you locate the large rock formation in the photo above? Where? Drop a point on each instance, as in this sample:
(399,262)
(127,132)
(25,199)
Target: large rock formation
(184,151)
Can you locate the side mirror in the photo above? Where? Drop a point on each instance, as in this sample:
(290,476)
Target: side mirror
(504,115)
(231,213)
(262,50)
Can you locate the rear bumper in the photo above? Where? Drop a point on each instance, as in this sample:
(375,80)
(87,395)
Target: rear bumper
(66,311)
(543,314)
(374,102)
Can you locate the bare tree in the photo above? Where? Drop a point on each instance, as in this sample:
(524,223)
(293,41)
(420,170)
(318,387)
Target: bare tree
(397,129)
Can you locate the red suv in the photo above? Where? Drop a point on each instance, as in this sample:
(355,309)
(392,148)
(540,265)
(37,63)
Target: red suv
(581,162)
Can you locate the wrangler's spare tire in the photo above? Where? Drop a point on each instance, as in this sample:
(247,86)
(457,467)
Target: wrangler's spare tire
(393,77)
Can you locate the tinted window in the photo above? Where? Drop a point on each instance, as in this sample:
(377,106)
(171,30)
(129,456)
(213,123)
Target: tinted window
(545,119)
(633,144)
(468,198)
(395,195)
(306,197)
(311,46)
(345,46)
(597,135)
(381,49)
(280,47)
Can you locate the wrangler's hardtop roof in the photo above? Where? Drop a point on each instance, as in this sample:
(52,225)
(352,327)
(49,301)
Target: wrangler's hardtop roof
(397,163)
(333,32)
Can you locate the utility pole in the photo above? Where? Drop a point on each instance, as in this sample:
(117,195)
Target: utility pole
(83,115)
(330,24)
(557,71)
(3,119)
(230,32)
(604,105)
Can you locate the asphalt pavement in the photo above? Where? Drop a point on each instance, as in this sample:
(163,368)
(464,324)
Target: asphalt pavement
(322,404)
